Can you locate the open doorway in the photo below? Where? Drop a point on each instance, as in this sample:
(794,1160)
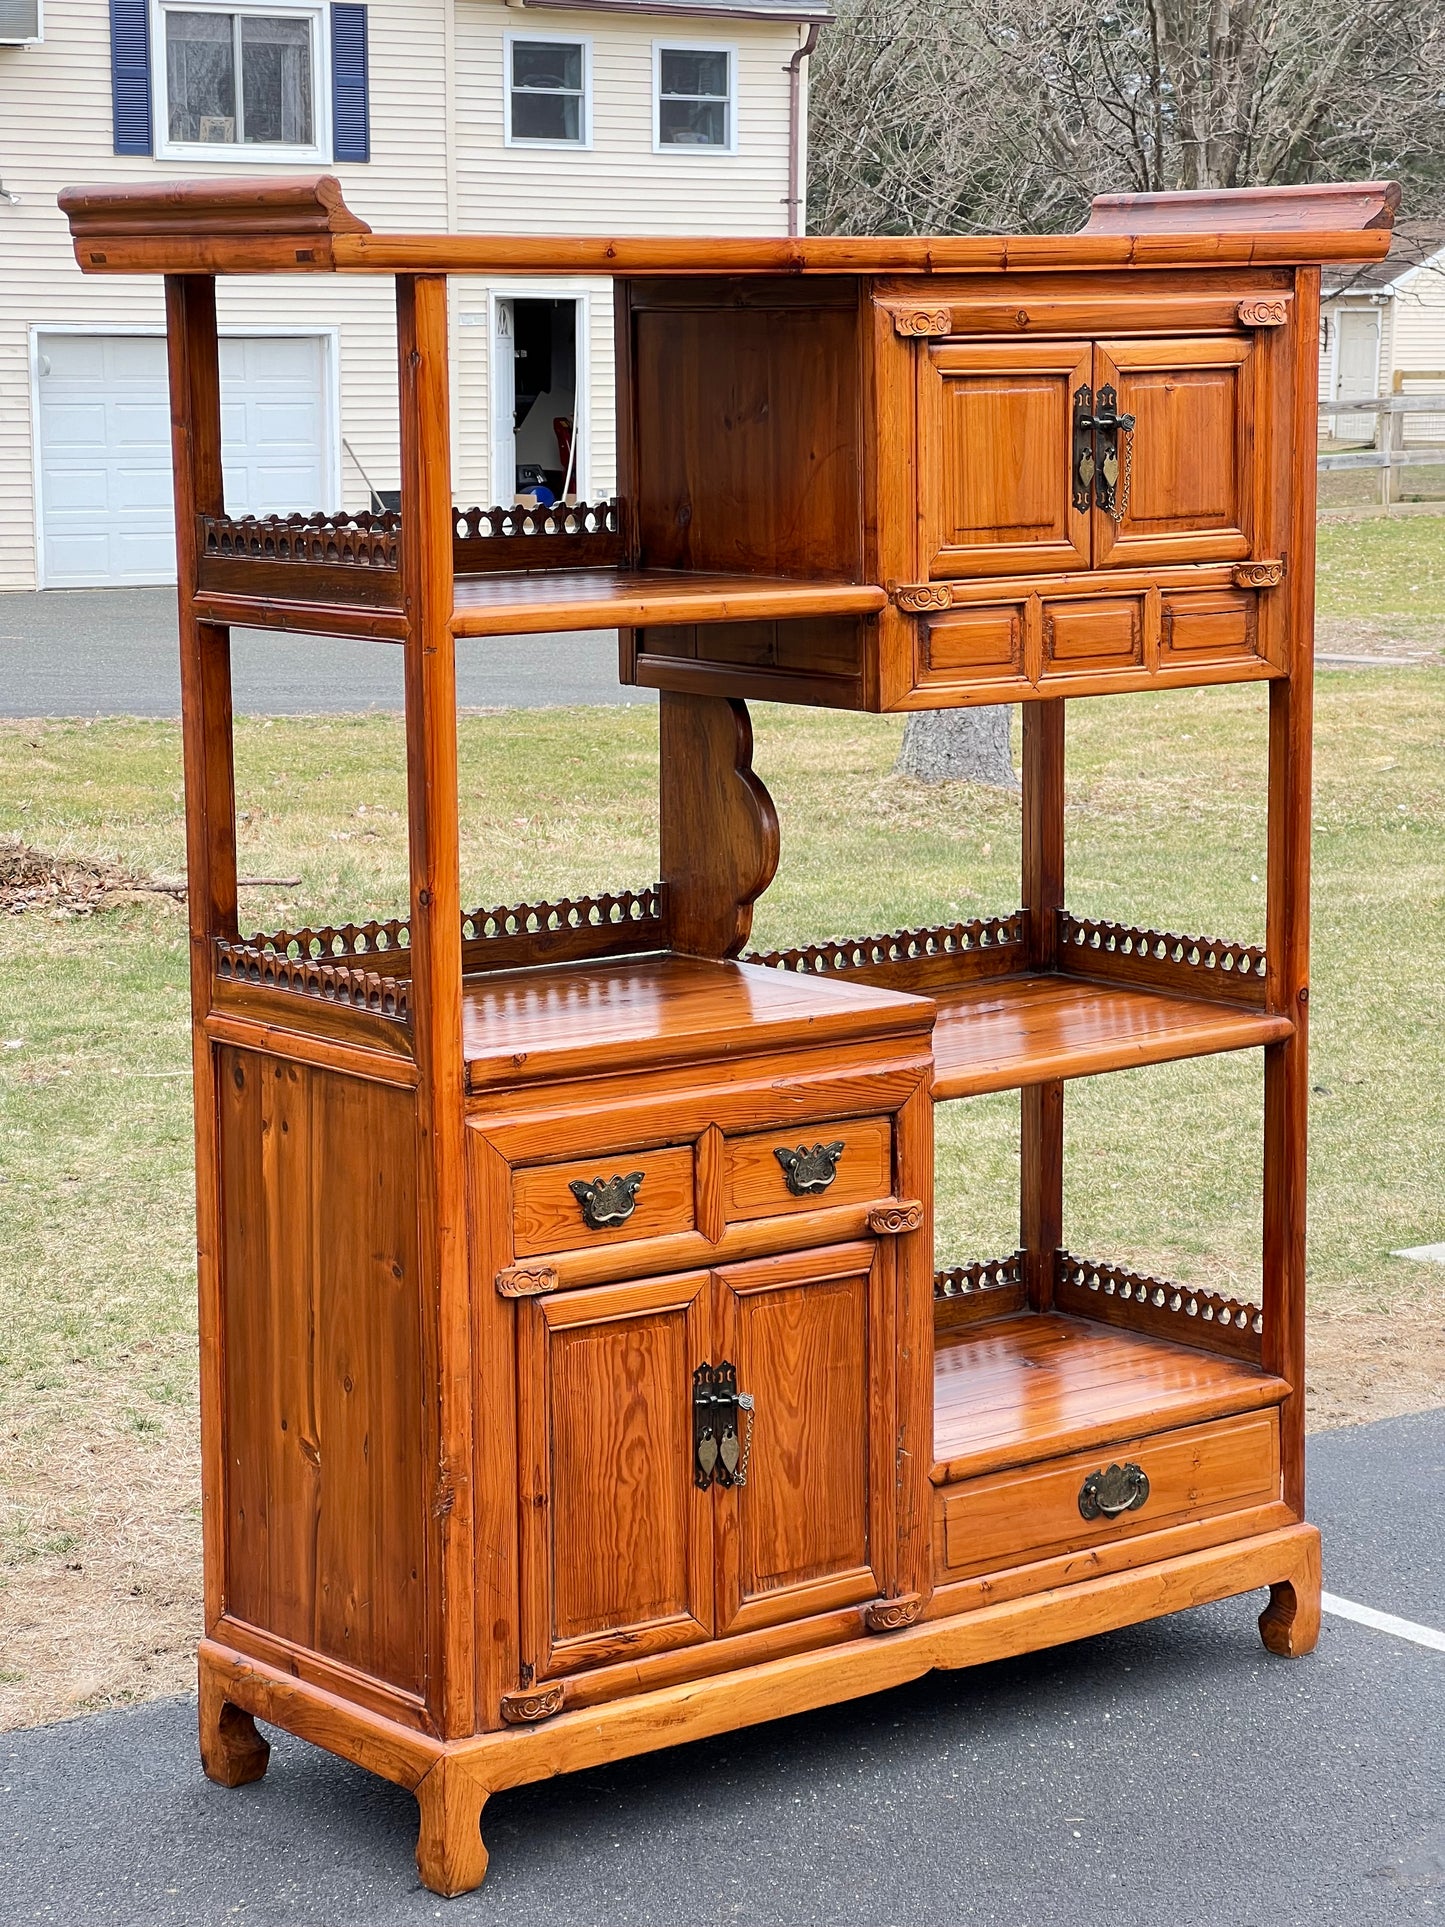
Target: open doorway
(538,413)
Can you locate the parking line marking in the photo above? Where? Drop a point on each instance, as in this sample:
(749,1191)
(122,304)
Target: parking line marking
(1383,1622)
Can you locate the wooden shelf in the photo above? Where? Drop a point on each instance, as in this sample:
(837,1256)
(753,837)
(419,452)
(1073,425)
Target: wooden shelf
(1037,1386)
(1004,1032)
(530,602)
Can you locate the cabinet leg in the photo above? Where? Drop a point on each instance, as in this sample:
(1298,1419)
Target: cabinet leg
(233,1753)
(1290,1623)
(450,1855)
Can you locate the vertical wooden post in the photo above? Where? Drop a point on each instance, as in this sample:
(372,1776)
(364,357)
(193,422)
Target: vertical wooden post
(195,394)
(1041,1148)
(1286,1065)
(436,947)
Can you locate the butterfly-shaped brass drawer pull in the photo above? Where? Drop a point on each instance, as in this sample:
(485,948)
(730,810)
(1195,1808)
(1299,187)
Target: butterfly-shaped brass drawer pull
(806,1171)
(607,1201)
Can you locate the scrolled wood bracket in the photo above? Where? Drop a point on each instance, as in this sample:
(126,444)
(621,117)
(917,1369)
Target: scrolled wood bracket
(922,323)
(916,597)
(527,1708)
(1258,575)
(892,1220)
(892,1615)
(1260,313)
(526,1281)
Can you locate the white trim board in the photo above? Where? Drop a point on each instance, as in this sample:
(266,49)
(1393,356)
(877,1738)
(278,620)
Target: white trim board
(1422,1254)
(1383,1622)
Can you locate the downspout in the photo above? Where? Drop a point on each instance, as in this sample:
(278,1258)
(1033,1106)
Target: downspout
(795,130)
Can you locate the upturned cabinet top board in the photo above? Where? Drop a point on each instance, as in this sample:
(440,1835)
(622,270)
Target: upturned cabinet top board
(301,224)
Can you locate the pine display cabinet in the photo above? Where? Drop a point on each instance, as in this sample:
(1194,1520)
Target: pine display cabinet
(577,1375)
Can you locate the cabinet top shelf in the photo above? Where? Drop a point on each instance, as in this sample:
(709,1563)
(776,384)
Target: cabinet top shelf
(302,224)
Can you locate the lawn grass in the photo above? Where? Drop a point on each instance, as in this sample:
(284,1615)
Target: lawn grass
(1385,565)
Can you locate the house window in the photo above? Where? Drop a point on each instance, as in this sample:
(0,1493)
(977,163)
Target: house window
(694,97)
(547,86)
(243,80)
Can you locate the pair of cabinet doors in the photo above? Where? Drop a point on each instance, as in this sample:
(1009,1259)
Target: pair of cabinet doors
(623,1551)
(1013,467)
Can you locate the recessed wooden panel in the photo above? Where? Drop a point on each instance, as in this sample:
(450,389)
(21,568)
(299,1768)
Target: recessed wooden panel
(1216,626)
(616,1538)
(994,453)
(547,1215)
(1107,632)
(327,1481)
(1012,1517)
(977,642)
(755,1184)
(809,1337)
(1189,463)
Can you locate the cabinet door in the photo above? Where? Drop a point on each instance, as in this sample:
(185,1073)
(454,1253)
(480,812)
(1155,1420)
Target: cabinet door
(994,441)
(617,1541)
(811,1337)
(1187,484)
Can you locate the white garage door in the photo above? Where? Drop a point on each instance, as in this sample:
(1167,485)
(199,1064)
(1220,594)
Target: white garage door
(105,448)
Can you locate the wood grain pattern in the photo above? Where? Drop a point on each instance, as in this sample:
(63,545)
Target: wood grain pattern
(1034,1387)
(527,603)
(811,1336)
(327,1488)
(546,1216)
(755,1186)
(1008,1517)
(717,828)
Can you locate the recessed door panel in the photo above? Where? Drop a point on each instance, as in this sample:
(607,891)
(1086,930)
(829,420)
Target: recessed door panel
(809,1335)
(1186,484)
(617,1548)
(994,441)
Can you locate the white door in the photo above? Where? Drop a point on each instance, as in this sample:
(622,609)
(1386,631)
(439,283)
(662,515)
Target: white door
(103,426)
(504,403)
(1357,355)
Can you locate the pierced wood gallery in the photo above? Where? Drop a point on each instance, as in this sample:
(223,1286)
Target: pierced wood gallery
(578,1376)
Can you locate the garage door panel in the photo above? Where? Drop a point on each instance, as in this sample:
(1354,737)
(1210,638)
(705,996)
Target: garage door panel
(105,447)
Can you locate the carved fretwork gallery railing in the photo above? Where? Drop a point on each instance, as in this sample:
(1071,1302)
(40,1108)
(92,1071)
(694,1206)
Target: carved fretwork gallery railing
(968,1294)
(574,929)
(1115,1296)
(357,558)
(1194,966)
(913,959)
(254,962)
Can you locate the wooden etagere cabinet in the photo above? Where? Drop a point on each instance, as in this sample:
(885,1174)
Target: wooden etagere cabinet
(578,1375)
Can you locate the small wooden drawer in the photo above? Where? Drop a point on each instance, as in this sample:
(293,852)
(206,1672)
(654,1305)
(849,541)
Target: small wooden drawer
(1010,1518)
(974,643)
(1105,632)
(756,1180)
(548,1215)
(1217,625)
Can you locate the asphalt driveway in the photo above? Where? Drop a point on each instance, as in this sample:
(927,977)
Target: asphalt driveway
(112,652)
(1171,1775)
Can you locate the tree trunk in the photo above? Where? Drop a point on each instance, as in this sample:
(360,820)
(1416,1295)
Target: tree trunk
(958,746)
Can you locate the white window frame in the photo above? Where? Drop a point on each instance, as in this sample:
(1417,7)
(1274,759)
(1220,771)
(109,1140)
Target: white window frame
(239,153)
(582,40)
(670,46)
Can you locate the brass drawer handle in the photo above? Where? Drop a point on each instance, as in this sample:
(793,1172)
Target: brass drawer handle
(607,1201)
(1123,1488)
(805,1171)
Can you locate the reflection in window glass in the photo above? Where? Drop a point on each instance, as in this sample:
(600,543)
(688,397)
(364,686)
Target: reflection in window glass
(546,91)
(270,54)
(694,97)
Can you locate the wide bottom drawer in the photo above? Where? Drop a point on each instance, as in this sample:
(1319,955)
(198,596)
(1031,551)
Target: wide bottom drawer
(1089,1499)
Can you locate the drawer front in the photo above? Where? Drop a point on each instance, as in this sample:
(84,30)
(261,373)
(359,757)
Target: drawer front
(1106,632)
(1012,1517)
(976,643)
(757,1183)
(1218,626)
(548,1215)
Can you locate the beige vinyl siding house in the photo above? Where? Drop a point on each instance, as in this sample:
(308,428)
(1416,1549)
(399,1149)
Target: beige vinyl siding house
(1383,328)
(309,409)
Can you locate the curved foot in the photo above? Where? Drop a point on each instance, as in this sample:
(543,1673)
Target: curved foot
(1290,1623)
(450,1856)
(233,1753)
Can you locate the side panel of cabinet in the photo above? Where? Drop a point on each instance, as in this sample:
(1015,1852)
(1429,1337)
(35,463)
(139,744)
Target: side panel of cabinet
(994,442)
(811,1335)
(616,1538)
(1190,463)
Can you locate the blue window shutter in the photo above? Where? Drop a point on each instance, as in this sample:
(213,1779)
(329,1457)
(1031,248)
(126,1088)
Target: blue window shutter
(350,105)
(130,76)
